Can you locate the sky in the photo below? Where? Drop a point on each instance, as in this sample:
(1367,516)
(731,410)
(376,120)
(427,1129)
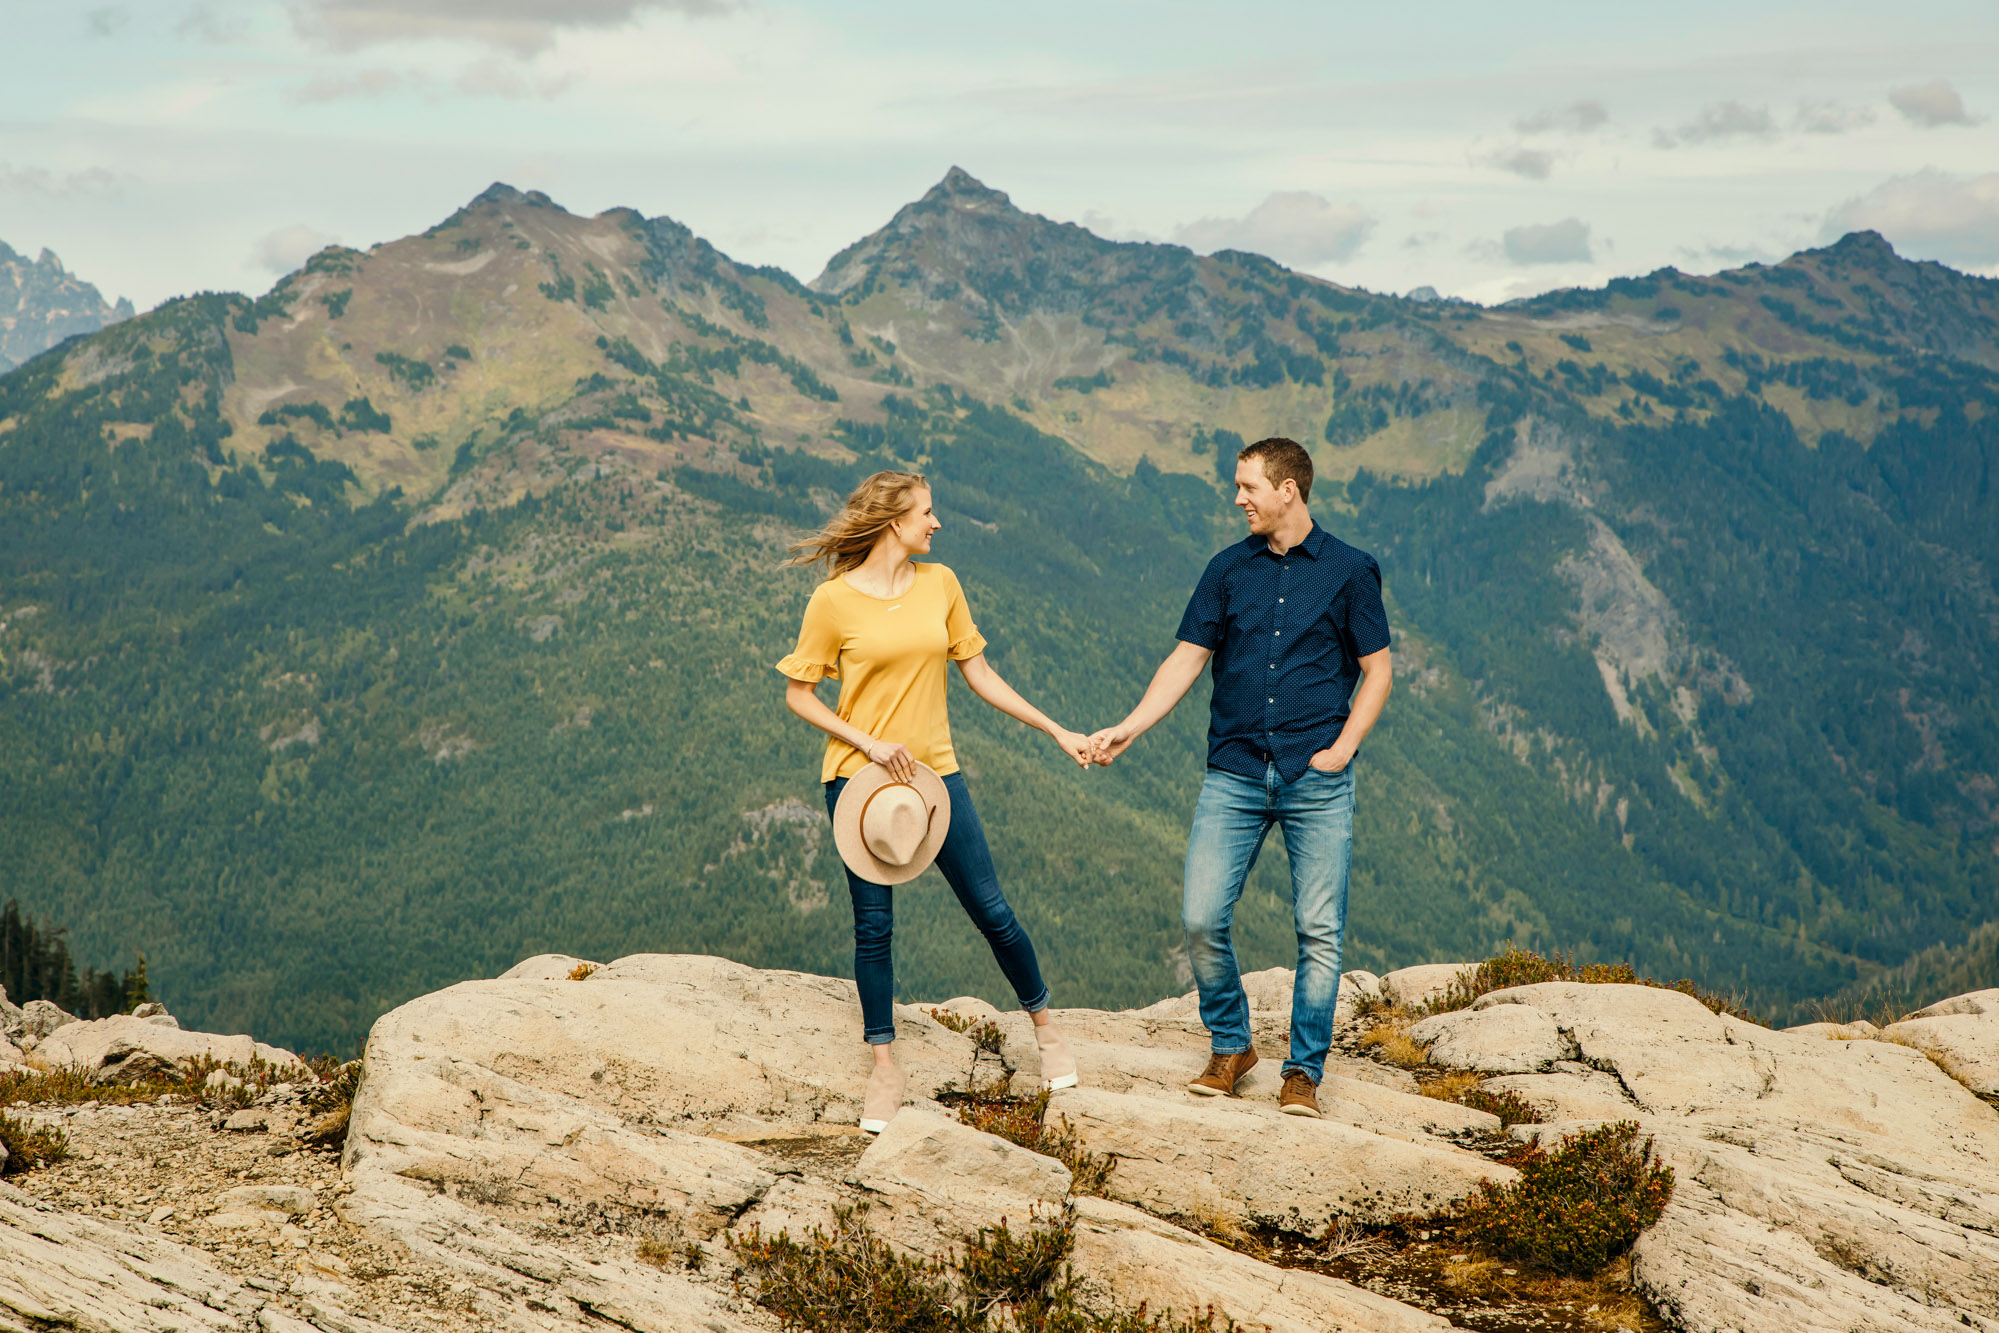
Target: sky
(1489,151)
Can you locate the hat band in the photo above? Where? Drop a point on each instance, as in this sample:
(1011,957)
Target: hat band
(929,813)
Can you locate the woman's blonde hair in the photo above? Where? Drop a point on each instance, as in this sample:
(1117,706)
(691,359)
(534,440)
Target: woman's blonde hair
(849,535)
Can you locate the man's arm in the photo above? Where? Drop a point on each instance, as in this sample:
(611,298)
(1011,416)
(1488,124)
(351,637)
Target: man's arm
(1176,675)
(1377,677)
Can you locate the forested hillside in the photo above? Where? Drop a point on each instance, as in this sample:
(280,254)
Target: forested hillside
(417,615)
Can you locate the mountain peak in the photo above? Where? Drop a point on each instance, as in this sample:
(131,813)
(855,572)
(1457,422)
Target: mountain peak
(960,186)
(46,303)
(1863,245)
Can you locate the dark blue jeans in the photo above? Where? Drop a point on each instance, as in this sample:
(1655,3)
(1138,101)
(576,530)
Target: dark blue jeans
(968,868)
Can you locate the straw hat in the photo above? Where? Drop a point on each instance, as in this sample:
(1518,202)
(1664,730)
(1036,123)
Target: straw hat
(888,832)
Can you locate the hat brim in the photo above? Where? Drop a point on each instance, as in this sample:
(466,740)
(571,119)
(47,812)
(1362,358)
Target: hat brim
(853,848)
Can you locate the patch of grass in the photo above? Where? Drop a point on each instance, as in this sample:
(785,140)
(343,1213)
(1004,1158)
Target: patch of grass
(1523,967)
(1451,1086)
(29,1145)
(1001,1281)
(671,1254)
(1024,1121)
(1391,1042)
(239,1086)
(582,971)
(1575,1209)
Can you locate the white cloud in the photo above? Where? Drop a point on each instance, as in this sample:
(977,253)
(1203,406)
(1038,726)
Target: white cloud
(1564,242)
(41,183)
(1534,164)
(1729,255)
(1575,118)
(208,23)
(362,83)
(1930,104)
(1929,214)
(521,27)
(1831,117)
(1291,226)
(288,248)
(1721,120)
(493,77)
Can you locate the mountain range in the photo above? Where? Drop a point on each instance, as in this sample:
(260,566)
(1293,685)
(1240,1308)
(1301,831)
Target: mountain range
(417,614)
(42,303)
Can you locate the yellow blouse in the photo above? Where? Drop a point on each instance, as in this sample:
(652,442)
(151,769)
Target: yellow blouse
(888,654)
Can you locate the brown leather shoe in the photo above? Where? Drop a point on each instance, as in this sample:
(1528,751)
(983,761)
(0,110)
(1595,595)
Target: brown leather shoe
(1300,1096)
(1219,1078)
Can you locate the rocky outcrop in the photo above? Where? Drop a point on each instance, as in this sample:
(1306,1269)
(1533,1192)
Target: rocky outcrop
(573,1144)
(1961,1034)
(126,1048)
(690,1096)
(1822,1183)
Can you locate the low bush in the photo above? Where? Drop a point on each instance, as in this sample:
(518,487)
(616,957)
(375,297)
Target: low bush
(852,1281)
(1024,1121)
(1523,967)
(29,1145)
(1575,1209)
(1510,1107)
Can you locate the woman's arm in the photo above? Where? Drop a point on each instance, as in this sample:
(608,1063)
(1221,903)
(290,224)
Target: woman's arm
(987,684)
(891,755)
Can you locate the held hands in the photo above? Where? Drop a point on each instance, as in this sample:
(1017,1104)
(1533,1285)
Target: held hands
(1111,742)
(1074,744)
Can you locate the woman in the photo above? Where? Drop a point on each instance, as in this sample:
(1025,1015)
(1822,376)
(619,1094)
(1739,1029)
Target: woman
(884,627)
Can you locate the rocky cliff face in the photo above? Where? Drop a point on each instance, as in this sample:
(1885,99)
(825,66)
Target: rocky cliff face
(41,304)
(569,1145)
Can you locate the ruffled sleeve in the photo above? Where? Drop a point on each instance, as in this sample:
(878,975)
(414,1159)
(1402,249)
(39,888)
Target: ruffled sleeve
(965,639)
(817,655)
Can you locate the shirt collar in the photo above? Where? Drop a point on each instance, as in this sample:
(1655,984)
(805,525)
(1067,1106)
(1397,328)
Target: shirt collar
(1313,542)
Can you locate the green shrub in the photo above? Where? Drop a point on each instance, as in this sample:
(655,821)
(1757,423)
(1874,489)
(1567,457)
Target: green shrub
(1575,1209)
(1510,1107)
(1023,1121)
(360,414)
(29,1146)
(417,374)
(852,1281)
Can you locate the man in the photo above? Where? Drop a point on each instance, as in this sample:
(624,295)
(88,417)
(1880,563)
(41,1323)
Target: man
(1292,618)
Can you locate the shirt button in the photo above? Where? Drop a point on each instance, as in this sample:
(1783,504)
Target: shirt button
(1270,701)
(1280,601)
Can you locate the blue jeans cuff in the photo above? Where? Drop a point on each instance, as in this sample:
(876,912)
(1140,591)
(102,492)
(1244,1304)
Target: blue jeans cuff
(880,1038)
(1232,1050)
(1037,1005)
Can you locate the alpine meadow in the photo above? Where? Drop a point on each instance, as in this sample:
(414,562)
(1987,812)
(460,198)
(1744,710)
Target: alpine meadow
(418,615)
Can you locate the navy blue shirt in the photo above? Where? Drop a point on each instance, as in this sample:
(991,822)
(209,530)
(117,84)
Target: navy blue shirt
(1288,632)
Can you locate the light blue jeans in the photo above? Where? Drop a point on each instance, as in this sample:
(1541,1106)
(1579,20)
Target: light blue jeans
(1230,822)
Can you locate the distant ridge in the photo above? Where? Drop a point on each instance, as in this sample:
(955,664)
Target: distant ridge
(42,303)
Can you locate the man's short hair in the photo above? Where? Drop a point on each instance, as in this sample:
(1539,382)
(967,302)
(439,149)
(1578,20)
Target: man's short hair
(1283,460)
